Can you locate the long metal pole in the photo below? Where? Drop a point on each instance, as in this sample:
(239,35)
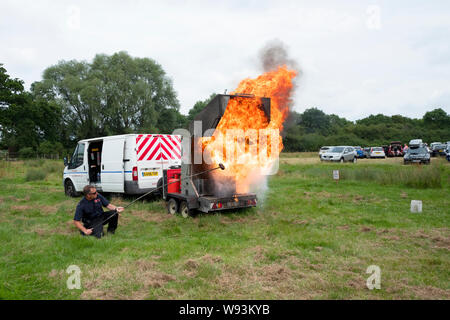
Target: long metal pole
(221,166)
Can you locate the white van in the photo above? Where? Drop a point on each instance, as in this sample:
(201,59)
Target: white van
(129,163)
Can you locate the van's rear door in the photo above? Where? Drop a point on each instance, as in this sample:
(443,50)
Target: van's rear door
(112,174)
(155,153)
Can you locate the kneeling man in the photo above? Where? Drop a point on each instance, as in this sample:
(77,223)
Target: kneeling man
(89,216)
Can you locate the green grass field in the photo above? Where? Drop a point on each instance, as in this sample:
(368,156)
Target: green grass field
(309,238)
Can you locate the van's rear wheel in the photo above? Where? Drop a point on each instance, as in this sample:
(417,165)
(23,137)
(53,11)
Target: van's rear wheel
(172,206)
(185,211)
(69,189)
(159,187)
(342,160)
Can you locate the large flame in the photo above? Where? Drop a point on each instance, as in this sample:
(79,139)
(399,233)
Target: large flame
(244,113)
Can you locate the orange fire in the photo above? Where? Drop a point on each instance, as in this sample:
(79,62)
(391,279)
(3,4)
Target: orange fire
(244,114)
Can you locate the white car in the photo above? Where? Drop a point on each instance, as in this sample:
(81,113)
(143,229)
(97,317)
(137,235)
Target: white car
(377,152)
(323,150)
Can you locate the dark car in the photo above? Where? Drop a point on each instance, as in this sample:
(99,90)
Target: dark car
(416,154)
(438,149)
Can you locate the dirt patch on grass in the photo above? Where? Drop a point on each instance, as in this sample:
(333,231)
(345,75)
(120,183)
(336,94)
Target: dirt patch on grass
(48,209)
(439,238)
(225,220)
(132,280)
(300,222)
(441,242)
(429,292)
(282,280)
(276,272)
(357,283)
(357,199)
(22,207)
(191,266)
(148,216)
(259,253)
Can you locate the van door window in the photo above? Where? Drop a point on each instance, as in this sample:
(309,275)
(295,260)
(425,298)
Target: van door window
(78,156)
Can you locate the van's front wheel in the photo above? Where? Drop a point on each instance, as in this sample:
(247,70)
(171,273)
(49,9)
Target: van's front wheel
(69,189)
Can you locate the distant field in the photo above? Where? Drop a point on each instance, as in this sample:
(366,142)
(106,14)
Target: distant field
(309,238)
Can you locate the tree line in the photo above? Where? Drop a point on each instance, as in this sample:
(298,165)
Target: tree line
(120,94)
(310,130)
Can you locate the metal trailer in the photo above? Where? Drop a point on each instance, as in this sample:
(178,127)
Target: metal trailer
(196,189)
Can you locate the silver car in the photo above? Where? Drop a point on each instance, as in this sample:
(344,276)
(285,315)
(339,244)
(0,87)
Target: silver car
(340,153)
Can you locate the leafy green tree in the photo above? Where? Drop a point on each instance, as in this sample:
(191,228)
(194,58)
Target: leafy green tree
(315,121)
(198,106)
(24,121)
(437,118)
(112,95)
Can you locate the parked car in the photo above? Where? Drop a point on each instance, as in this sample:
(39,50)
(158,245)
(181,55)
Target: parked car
(417,154)
(367,152)
(377,152)
(437,148)
(323,150)
(360,152)
(340,153)
(447,152)
(395,149)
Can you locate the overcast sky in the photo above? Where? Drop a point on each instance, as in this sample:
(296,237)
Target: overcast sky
(357,57)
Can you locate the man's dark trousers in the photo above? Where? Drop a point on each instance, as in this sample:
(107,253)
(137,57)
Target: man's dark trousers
(99,222)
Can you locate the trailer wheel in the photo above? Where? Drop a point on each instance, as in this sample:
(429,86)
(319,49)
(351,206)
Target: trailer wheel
(172,206)
(184,210)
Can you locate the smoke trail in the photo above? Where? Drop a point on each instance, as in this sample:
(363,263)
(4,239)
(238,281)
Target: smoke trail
(275,54)
(272,55)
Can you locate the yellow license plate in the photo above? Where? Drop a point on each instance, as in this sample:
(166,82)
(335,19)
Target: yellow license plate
(150,174)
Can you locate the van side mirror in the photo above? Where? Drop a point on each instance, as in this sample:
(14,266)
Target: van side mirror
(65,161)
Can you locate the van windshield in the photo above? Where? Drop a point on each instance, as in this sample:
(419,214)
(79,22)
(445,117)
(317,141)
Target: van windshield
(337,149)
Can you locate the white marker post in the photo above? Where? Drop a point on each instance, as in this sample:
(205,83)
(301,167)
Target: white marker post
(336,175)
(416,206)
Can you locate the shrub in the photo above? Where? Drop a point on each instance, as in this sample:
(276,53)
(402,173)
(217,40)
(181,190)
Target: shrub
(52,167)
(27,153)
(34,163)
(51,148)
(35,174)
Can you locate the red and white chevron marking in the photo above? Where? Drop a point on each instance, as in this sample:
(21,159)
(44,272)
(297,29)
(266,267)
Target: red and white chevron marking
(157,147)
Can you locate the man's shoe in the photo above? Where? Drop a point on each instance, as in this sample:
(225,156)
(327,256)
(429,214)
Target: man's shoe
(111,231)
